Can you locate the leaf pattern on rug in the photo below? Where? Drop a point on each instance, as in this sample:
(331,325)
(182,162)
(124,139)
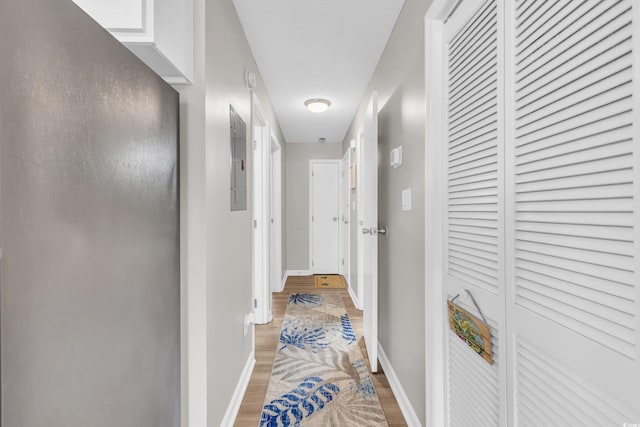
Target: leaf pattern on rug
(349,409)
(348,333)
(363,383)
(306,299)
(295,334)
(319,347)
(297,362)
(292,407)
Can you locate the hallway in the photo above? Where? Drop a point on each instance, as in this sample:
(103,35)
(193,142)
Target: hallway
(149,221)
(267,338)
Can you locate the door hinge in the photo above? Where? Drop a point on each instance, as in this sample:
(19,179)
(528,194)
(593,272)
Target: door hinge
(255,223)
(255,303)
(342,261)
(311,218)
(255,144)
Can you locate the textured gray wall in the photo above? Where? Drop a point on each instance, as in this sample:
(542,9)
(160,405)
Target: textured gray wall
(297,198)
(399,80)
(90,275)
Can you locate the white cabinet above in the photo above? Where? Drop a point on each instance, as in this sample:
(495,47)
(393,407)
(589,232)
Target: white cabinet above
(159,32)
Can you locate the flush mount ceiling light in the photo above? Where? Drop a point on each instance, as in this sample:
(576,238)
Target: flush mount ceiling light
(317,105)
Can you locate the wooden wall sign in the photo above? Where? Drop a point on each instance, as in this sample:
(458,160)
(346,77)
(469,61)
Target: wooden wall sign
(471,330)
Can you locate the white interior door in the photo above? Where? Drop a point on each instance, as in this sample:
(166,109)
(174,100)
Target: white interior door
(261,213)
(368,229)
(325,215)
(345,216)
(474,238)
(276,215)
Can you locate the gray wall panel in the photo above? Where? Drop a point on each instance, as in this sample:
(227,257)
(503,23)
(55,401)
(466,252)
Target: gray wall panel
(90,274)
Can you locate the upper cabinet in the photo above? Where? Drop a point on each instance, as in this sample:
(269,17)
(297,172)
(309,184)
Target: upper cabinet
(159,32)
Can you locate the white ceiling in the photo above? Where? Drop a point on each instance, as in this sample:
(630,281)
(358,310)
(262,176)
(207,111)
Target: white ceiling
(317,49)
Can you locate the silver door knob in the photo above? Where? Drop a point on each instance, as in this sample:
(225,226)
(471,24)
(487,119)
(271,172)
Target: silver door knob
(383,231)
(366,231)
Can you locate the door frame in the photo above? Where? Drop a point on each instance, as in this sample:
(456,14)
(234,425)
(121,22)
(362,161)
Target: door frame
(435,206)
(276,214)
(345,217)
(311,162)
(359,237)
(260,143)
(369,198)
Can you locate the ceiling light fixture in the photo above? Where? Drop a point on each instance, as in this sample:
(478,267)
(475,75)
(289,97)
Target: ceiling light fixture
(317,105)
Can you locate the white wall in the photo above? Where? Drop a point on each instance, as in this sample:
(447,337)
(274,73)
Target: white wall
(216,246)
(399,81)
(297,198)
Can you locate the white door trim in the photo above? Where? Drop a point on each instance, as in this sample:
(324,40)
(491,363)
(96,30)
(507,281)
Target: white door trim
(276,213)
(345,215)
(359,235)
(311,162)
(260,143)
(435,133)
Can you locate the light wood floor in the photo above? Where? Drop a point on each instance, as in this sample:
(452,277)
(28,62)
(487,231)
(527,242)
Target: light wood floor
(267,337)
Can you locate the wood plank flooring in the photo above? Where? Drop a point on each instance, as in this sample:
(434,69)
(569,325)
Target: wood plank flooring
(267,337)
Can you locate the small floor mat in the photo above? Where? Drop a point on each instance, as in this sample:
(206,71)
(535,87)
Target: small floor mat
(330,281)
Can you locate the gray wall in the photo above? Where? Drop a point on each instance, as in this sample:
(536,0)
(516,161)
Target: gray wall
(216,245)
(399,80)
(90,274)
(297,198)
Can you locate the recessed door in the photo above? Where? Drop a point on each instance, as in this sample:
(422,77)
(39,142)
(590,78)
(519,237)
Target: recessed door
(345,216)
(325,216)
(368,229)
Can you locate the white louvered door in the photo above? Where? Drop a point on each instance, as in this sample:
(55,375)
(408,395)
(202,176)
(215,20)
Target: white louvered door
(573,213)
(542,210)
(474,253)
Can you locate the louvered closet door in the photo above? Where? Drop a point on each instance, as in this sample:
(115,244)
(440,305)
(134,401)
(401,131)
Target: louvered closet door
(573,212)
(475,227)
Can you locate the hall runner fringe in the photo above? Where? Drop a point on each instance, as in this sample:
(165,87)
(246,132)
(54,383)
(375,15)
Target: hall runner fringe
(319,376)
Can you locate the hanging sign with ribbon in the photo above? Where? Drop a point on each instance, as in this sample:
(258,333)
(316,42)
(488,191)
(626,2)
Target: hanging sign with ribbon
(473,331)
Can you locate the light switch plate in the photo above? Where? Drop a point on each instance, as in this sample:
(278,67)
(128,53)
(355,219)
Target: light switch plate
(406,199)
(395,157)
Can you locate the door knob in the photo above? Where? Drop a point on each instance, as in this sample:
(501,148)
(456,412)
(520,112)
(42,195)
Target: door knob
(383,231)
(366,231)
(335,218)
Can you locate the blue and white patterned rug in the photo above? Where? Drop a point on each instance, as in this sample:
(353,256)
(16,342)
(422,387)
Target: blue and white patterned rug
(319,375)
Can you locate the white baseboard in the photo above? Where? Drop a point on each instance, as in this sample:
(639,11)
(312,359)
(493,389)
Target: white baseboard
(355,299)
(298,273)
(406,407)
(285,276)
(238,393)
(293,273)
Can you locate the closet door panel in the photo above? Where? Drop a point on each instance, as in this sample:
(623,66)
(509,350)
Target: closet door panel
(572,218)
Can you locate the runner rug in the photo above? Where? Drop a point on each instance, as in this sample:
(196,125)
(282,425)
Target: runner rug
(319,375)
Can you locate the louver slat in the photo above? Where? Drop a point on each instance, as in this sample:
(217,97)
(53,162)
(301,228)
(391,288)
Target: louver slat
(472,143)
(574,193)
(466,371)
(549,394)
